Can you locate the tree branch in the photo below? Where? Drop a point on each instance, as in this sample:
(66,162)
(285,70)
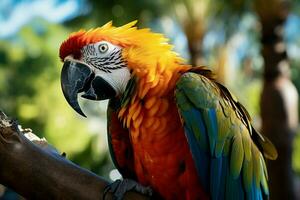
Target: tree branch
(41,172)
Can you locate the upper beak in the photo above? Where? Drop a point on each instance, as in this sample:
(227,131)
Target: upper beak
(78,77)
(74,76)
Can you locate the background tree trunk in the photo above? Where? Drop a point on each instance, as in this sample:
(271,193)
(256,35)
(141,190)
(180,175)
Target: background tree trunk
(279,98)
(193,17)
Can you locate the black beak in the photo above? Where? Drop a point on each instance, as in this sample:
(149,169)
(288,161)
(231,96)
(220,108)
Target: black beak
(78,77)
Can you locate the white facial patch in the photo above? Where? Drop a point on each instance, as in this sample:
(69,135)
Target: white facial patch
(118,78)
(106,60)
(98,50)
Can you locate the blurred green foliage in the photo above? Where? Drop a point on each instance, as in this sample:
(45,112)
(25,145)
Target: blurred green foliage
(30,89)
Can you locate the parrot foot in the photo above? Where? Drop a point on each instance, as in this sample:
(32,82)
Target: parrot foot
(120,187)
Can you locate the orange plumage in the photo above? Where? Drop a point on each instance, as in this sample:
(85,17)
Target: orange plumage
(170,126)
(160,154)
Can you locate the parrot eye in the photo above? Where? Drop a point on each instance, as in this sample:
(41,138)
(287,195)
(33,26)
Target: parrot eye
(103,48)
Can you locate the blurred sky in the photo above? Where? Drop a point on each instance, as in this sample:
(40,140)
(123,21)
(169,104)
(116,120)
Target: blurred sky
(16,13)
(292,36)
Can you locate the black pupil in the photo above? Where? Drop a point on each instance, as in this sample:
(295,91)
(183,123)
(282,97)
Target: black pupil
(103,47)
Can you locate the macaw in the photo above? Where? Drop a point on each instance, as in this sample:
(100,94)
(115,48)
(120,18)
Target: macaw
(171,126)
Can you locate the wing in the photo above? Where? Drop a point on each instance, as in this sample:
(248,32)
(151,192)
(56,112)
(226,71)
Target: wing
(229,164)
(118,141)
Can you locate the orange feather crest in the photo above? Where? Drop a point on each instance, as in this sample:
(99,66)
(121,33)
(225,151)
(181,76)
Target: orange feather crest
(124,36)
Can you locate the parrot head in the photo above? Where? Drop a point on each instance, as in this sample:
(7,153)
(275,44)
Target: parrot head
(100,62)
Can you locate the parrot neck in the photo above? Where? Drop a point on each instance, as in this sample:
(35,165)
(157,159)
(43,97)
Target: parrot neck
(142,92)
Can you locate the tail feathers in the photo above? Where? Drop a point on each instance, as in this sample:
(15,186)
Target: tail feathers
(264,145)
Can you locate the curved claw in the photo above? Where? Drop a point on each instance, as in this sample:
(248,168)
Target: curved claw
(120,187)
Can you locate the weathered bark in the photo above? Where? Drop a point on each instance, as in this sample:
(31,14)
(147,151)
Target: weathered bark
(37,173)
(279,99)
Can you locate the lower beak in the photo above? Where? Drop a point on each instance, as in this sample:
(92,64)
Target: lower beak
(78,77)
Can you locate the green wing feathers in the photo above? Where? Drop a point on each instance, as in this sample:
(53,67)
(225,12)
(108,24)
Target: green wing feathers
(230,136)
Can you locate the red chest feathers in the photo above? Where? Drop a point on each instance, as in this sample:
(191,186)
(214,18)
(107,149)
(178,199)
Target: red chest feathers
(160,155)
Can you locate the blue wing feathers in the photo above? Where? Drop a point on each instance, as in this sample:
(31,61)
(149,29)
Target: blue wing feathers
(217,178)
(255,193)
(214,172)
(210,119)
(212,157)
(234,188)
(200,157)
(198,127)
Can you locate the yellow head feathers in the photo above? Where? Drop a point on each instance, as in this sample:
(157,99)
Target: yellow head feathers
(147,54)
(124,36)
